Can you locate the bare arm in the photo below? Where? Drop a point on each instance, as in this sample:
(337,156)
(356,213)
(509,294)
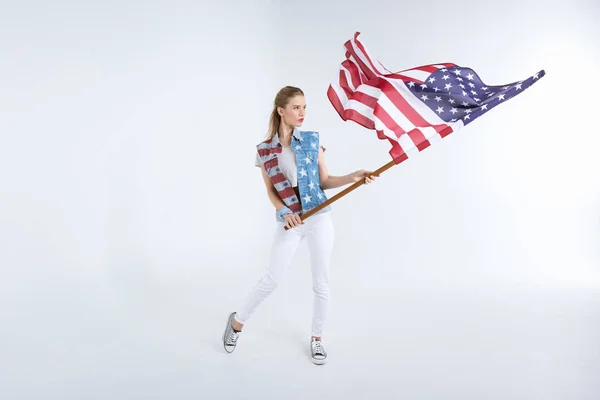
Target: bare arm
(291,219)
(330,181)
(271,191)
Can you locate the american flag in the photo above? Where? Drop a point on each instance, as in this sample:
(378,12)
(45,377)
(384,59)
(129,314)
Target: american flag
(416,107)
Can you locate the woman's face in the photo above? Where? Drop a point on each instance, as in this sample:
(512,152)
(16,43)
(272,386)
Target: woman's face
(294,111)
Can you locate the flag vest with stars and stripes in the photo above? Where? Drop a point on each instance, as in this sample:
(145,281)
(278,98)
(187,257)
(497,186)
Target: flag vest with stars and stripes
(306,148)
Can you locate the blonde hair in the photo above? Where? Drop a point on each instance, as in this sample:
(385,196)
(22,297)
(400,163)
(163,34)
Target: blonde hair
(281,99)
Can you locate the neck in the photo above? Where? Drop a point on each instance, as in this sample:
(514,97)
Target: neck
(285,134)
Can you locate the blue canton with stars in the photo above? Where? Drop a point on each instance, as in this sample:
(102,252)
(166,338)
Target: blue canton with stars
(457,93)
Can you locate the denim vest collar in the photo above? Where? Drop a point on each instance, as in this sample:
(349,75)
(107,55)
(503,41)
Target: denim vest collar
(296,134)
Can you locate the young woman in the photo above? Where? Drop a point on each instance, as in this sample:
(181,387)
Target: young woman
(295,175)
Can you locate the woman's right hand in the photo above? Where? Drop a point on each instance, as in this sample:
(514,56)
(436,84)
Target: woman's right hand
(292,220)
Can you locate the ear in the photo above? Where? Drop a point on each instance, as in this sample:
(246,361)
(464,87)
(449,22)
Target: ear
(280,111)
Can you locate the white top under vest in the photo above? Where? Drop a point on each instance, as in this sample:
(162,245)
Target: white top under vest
(287,163)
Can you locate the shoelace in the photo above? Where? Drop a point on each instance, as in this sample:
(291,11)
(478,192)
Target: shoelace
(317,347)
(232,338)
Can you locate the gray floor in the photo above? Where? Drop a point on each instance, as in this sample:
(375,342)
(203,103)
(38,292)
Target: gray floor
(415,342)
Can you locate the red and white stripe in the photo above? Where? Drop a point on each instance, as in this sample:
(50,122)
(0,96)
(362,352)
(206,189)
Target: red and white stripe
(376,98)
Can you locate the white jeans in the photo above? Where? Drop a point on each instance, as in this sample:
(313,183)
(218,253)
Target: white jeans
(319,232)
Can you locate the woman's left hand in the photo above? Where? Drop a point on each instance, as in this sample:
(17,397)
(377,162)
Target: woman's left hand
(363,174)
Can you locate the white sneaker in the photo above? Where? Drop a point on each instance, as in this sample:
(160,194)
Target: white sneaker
(317,352)
(230,336)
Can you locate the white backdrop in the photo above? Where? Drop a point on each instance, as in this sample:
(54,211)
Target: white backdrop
(133,220)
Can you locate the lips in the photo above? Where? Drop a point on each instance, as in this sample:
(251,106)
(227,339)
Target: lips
(301,120)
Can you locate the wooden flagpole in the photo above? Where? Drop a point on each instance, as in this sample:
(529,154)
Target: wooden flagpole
(343,192)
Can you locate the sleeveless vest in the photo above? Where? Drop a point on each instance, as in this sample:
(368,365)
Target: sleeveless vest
(306,148)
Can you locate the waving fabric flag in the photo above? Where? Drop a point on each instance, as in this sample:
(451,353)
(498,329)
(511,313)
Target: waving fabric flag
(412,108)
(416,107)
